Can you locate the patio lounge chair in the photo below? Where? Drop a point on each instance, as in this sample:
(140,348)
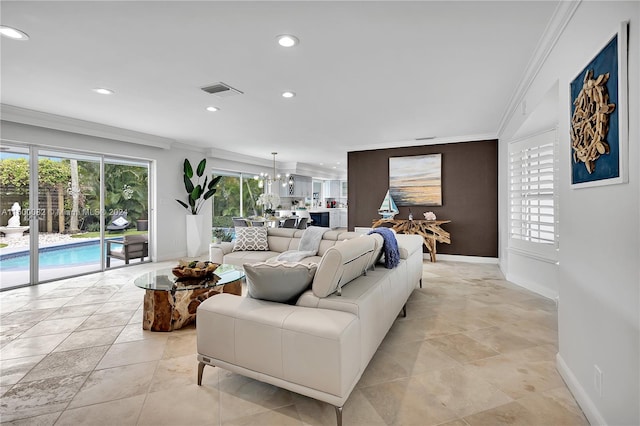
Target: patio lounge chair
(131,247)
(119,222)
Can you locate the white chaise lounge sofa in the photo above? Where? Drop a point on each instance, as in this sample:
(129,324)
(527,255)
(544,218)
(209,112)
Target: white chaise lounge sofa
(321,345)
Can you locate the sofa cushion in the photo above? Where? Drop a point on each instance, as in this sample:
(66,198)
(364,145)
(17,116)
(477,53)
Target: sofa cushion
(278,281)
(251,238)
(377,251)
(343,263)
(239,258)
(409,244)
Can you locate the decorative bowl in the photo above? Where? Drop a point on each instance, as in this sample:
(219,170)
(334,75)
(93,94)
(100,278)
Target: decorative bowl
(199,270)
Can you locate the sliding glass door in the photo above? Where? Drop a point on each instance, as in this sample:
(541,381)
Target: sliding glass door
(15,254)
(68,186)
(126,208)
(74,216)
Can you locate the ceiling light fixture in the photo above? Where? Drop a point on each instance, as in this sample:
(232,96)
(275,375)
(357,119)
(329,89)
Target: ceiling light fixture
(103,91)
(13,33)
(287,40)
(275,178)
(212,109)
(288,94)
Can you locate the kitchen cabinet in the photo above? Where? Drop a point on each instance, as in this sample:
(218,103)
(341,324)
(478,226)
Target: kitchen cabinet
(302,186)
(342,218)
(299,188)
(332,189)
(331,218)
(344,187)
(334,219)
(284,190)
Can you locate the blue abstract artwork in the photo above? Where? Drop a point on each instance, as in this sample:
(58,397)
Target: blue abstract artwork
(595,124)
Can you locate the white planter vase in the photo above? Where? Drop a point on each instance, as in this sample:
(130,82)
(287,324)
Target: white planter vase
(197,237)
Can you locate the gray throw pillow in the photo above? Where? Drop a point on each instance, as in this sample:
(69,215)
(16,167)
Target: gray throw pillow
(251,238)
(278,281)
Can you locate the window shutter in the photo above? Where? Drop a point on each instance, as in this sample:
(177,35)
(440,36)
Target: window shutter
(532,201)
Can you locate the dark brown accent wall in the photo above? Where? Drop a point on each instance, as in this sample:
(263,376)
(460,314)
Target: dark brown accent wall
(469,192)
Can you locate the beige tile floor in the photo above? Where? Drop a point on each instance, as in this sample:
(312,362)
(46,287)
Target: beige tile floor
(473,350)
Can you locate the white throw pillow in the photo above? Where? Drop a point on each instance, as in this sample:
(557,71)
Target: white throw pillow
(278,281)
(120,221)
(251,238)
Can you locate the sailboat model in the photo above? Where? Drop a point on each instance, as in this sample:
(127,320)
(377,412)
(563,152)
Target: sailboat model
(388,208)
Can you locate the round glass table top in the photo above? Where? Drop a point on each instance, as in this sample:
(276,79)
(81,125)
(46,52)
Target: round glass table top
(165,280)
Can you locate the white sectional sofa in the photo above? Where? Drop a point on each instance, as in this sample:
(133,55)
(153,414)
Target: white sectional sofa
(321,345)
(280,240)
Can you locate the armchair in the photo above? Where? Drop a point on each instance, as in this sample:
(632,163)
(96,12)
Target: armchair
(131,247)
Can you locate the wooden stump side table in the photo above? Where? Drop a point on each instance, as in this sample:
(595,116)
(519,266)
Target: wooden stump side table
(170,304)
(430,231)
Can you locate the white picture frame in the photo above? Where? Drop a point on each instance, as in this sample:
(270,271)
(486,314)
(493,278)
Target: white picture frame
(614,164)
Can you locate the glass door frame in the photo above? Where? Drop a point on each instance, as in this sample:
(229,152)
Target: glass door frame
(34,151)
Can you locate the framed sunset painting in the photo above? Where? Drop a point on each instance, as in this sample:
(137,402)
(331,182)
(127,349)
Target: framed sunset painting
(416,180)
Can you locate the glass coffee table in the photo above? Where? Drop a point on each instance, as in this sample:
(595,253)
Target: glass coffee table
(170,302)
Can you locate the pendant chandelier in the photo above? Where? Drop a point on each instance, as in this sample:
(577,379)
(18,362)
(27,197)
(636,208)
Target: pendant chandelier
(274,178)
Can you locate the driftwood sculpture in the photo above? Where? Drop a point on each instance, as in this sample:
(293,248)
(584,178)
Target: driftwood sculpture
(430,231)
(590,121)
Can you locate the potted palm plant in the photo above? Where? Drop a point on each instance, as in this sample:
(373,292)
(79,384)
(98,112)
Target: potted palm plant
(197,194)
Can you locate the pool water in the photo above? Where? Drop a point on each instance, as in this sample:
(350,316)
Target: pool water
(82,253)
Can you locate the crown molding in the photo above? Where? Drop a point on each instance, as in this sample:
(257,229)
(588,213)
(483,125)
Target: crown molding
(73,125)
(293,167)
(555,27)
(188,147)
(223,154)
(414,142)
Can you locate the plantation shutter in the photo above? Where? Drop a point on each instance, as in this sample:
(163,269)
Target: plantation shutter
(531,189)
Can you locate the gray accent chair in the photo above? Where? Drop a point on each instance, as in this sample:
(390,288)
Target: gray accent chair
(131,247)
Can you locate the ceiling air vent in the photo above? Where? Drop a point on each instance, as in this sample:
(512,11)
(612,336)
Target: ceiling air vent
(221,90)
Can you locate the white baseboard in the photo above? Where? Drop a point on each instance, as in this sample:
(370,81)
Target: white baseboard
(459,258)
(533,286)
(582,398)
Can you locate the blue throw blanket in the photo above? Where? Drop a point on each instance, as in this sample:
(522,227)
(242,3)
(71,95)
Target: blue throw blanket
(390,247)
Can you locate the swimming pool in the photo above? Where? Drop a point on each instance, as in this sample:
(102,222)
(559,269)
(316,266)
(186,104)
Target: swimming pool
(73,254)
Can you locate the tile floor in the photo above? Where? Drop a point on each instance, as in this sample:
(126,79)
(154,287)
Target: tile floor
(473,350)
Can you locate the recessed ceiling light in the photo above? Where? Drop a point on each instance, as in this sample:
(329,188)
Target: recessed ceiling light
(288,94)
(103,91)
(287,40)
(212,109)
(13,33)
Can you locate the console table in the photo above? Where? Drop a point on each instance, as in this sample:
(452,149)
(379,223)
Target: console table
(429,230)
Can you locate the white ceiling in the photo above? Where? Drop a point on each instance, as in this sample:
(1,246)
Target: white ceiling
(366,74)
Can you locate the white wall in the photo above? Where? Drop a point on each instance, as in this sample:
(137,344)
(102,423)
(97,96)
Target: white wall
(166,215)
(598,275)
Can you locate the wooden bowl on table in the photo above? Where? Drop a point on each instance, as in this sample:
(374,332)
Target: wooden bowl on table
(197,270)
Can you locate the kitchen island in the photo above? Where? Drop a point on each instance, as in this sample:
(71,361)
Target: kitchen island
(329,217)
